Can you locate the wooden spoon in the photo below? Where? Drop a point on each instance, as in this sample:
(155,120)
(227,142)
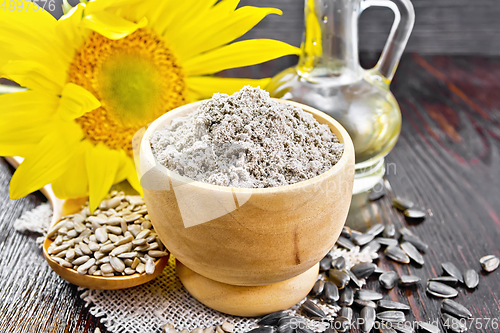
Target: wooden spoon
(71,206)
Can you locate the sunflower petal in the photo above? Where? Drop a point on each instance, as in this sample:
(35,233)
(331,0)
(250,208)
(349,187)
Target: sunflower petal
(111,26)
(68,29)
(75,102)
(204,86)
(21,38)
(25,121)
(48,161)
(239,54)
(216,31)
(33,75)
(102,165)
(73,182)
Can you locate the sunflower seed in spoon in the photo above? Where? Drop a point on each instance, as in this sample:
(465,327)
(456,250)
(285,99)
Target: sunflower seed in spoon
(489,263)
(368,295)
(408,280)
(345,243)
(391,316)
(471,278)
(427,328)
(441,290)
(397,254)
(452,270)
(330,292)
(388,279)
(412,252)
(449,280)
(363,270)
(391,305)
(312,309)
(368,316)
(376,229)
(453,324)
(340,278)
(455,309)
(402,204)
(318,288)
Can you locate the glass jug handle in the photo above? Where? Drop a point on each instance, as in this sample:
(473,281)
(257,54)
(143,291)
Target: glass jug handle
(404,18)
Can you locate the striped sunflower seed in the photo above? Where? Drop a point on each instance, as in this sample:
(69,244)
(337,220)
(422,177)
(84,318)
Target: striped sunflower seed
(363,270)
(471,278)
(362,303)
(455,309)
(441,290)
(408,280)
(324,265)
(376,229)
(391,305)
(397,254)
(338,263)
(391,316)
(427,328)
(318,288)
(312,309)
(412,252)
(346,297)
(402,204)
(368,295)
(452,270)
(453,324)
(489,263)
(340,278)
(272,319)
(449,280)
(330,292)
(390,230)
(388,279)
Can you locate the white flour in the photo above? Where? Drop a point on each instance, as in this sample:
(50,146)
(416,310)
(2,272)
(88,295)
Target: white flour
(247,140)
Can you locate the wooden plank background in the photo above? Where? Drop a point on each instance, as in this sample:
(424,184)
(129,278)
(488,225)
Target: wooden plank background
(441,26)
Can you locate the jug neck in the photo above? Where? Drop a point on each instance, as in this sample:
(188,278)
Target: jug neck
(330,42)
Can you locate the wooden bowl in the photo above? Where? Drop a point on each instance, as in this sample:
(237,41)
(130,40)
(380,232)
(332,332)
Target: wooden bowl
(247,236)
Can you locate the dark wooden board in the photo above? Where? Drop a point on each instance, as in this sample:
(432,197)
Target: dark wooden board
(441,26)
(447,160)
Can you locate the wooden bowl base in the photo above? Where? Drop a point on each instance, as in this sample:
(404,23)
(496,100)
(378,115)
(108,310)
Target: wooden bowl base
(247,301)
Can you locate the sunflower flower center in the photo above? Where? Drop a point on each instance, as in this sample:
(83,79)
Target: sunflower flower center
(136,78)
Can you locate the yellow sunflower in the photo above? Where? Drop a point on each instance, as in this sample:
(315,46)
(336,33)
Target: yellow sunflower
(103,71)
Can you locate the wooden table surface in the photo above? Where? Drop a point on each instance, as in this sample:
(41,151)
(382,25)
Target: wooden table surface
(447,161)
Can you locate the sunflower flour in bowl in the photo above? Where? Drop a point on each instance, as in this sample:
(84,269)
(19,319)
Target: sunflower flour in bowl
(247,140)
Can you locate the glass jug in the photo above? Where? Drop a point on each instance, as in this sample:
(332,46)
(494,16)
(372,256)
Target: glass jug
(329,78)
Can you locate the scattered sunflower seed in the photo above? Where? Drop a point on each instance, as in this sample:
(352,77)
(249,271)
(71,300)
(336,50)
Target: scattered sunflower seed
(317,289)
(453,324)
(272,319)
(402,204)
(368,315)
(441,290)
(471,278)
(325,263)
(449,280)
(428,328)
(338,263)
(417,242)
(452,270)
(396,253)
(387,241)
(390,230)
(376,229)
(342,324)
(363,270)
(412,252)
(347,312)
(340,278)
(363,239)
(312,309)
(414,214)
(391,316)
(371,247)
(346,232)
(408,280)
(330,292)
(345,243)
(353,279)
(391,305)
(346,297)
(489,263)
(455,309)
(388,279)
(368,295)
(362,303)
